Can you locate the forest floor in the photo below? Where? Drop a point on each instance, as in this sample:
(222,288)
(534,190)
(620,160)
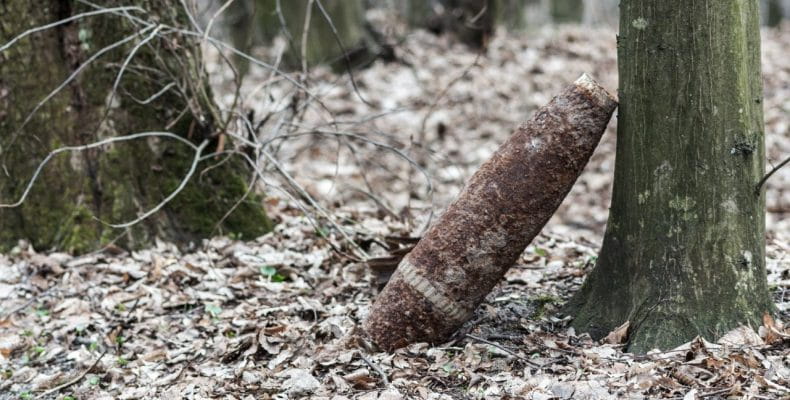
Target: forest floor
(278,316)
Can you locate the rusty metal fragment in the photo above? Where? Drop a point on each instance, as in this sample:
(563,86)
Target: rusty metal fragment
(438,285)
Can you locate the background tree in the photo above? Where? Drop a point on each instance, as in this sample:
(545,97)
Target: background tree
(684,250)
(471,21)
(773,12)
(100,76)
(338,38)
(567,11)
(512,13)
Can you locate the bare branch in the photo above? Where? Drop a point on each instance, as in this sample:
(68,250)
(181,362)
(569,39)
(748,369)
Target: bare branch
(126,62)
(155,95)
(191,17)
(214,17)
(768,175)
(170,197)
(342,49)
(73,76)
(86,147)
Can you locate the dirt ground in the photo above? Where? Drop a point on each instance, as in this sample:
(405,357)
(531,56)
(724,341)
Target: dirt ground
(278,316)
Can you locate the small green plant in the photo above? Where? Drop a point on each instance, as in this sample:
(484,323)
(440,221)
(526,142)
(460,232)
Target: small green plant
(93,346)
(120,307)
(27,332)
(39,350)
(322,232)
(213,310)
(585,262)
(236,235)
(120,340)
(25,395)
(543,302)
(541,252)
(121,361)
(93,381)
(69,398)
(448,368)
(271,273)
(42,312)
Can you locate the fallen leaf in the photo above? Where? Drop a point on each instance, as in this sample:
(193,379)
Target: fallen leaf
(619,335)
(741,336)
(771,333)
(691,395)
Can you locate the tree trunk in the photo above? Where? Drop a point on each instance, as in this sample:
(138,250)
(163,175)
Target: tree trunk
(257,22)
(118,182)
(567,11)
(511,13)
(684,250)
(774,13)
(438,285)
(471,21)
(422,14)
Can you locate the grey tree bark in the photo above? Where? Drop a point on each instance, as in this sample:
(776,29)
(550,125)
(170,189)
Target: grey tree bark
(684,250)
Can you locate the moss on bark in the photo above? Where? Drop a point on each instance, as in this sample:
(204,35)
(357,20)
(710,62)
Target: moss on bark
(684,249)
(117,183)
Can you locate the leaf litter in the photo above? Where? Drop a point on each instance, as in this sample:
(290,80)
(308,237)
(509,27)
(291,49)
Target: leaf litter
(278,316)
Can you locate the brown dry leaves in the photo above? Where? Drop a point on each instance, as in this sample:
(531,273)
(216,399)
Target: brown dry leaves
(216,323)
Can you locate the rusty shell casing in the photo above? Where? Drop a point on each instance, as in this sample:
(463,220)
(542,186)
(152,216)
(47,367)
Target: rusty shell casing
(505,204)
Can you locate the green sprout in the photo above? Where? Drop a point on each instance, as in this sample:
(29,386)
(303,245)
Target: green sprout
(213,310)
(271,273)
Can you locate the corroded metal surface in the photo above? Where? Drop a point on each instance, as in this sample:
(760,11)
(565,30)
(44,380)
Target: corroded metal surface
(502,208)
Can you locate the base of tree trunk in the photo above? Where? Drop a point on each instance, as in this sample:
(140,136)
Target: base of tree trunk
(661,309)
